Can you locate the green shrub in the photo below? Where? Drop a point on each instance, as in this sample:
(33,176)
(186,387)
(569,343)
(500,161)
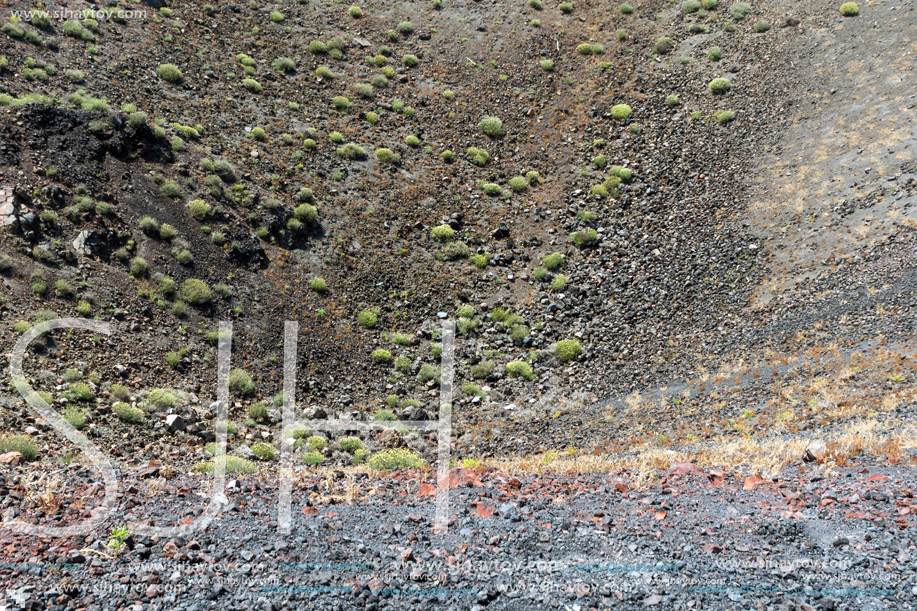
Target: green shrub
(215,449)
(170,188)
(709,4)
(306,213)
(690,6)
(169,73)
(739,10)
(480,260)
(162,398)
(567,350)
(231,465)
(427,372)
(482,370)
(80,391)
(409,61)
(277,16)
(621,111)
(492,126)
(138,267)
(367,318)
(719,85)
(559,282)
(317,284)
(762,26)
(127,413)
(387,155)
(519,369)
(565,7)
(257,411)
(714,54)
(75,418)
(264,451)
(403,364)
(355,11)
(240,383)
(518,184)
(316,443)
(850,9)
(283,65)
(547,65)
(312,458)
(350,444)
(396,458)
(252,85)
(351,152)
(553,261)
(167,231)
(119,391)
(199,209)
(63,289)
(664,45)
(478,156)
(672,100)
(196,292)
(317,47)
(381,355)
(585,237)
(442,233)
(19,443)
(725,116)
(385,415)
(620,172)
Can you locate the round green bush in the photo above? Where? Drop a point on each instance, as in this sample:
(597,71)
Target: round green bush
(850,9)
(519,369)
(199,209)
(719,85)
(240,383)
(318,284)
(169,73)
(621,111)
(739,10)
(518,184)
(264,451)
(492,126)
(567,350)
(196,292)
(316,443)
(443,233)
(258,411)
(396,458)
(355,11)
(553,261)
(385,415)
(367,318)
(664,45)
(350,444)
(380,355)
